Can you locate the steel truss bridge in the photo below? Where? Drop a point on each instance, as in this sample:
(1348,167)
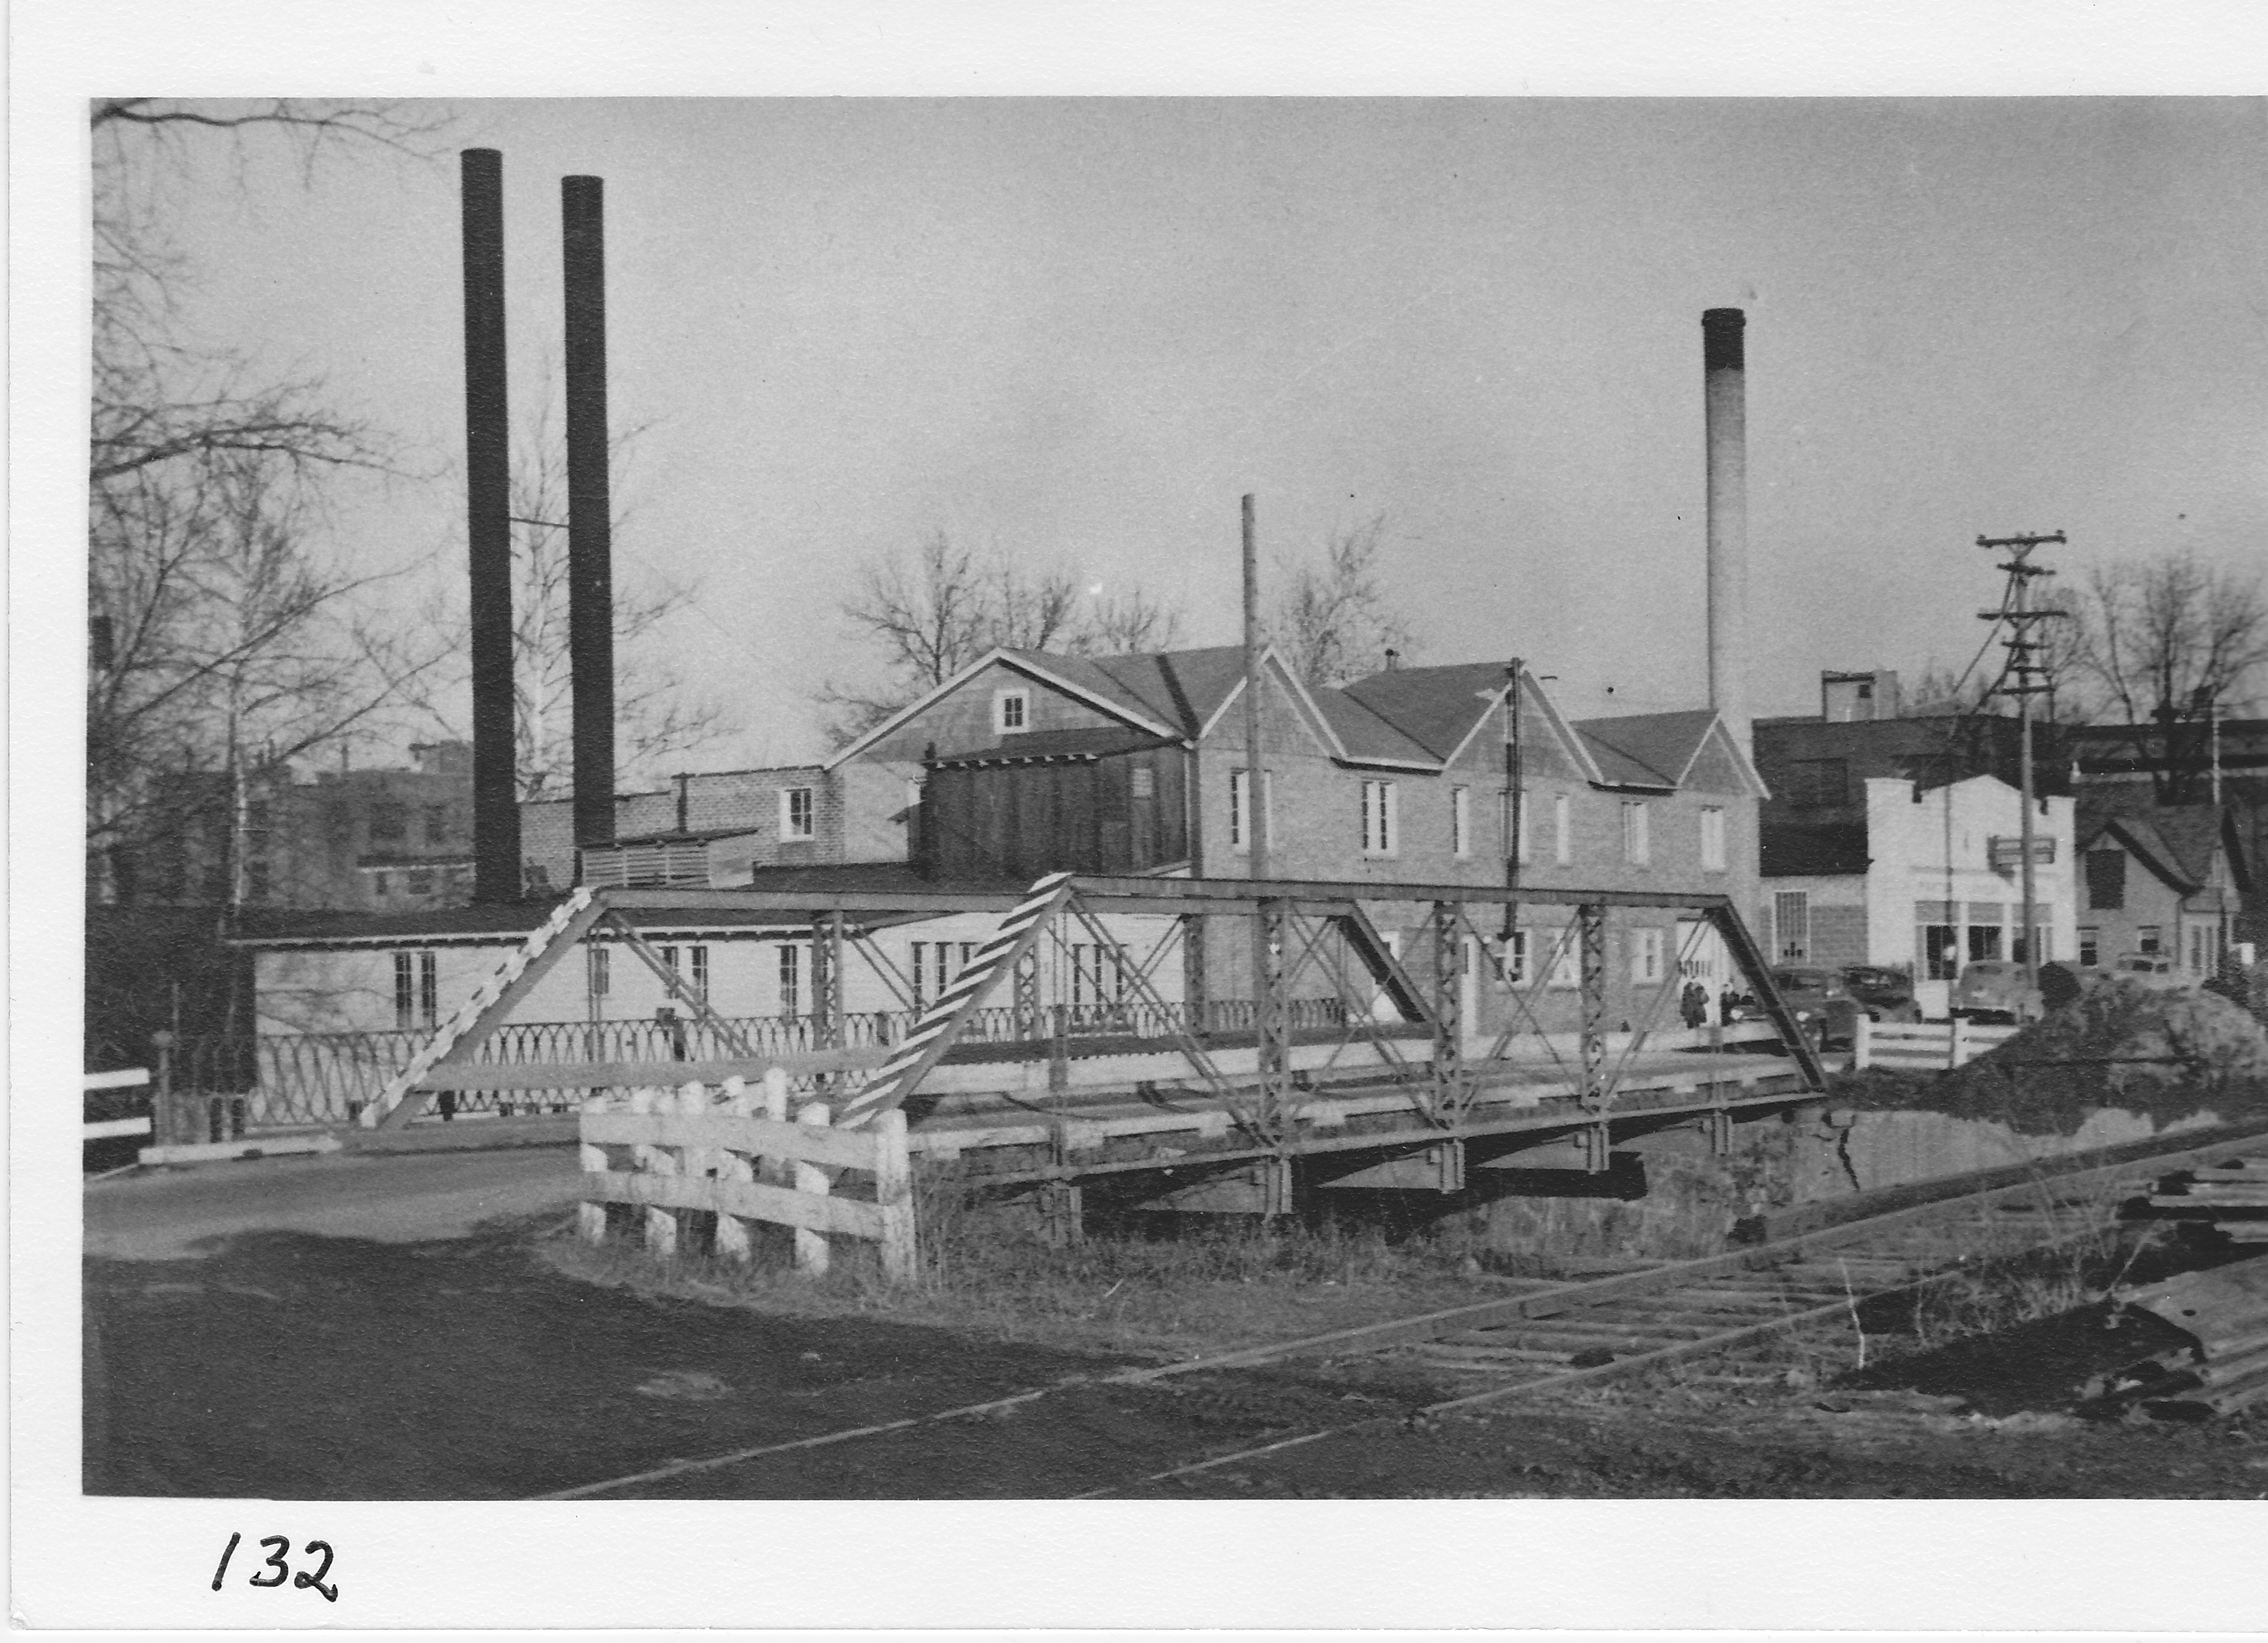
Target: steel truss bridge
(1385,1087)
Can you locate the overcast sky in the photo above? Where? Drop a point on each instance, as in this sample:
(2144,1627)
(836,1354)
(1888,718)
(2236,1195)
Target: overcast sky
(1076,331)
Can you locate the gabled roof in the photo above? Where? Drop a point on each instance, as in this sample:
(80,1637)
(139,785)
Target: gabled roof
(2175,842)
(1366,737)
(1437,707)
(1647,749)
(1075,675)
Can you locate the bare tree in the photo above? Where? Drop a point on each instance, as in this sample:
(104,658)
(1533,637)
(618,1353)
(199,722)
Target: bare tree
(2164,645)
(1333,622)
(933,613)
(216,624)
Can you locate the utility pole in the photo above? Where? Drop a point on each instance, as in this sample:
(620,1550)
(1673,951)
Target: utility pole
(1515,798)
(2030,679)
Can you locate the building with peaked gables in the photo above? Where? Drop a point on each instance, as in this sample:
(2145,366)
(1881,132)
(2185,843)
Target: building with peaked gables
(2160,881)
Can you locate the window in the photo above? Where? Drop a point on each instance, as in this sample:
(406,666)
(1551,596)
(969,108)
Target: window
(599,971)
(1142,783)
(1461,821)
(1239,808)
(2146,939)
(1563,834)
(417,990)
(1567,958)
(1522,828)
(1012,711)
(380,885)
(1516,959)
(1097,978)
(436,824)
(798,814)
(421,881)
(1984,942)
(389,821)
(1378,819)
(2090,945)
(935,964)
(1637,845)
(1646,956)
(1940,948)
(791,978)
(1792,925)
(2106,881)
(700,975)
(1713,839)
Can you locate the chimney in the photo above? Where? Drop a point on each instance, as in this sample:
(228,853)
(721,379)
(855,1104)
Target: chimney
(590,579)
(488,530)
(1725,418)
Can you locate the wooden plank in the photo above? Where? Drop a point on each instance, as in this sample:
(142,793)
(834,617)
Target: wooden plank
(813,1182)
(124,1079)
(103,1130)
(893,1196)
(755,1200)
(571,1075)
(846,1149)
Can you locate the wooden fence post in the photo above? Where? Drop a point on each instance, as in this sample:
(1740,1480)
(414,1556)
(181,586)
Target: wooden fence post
(810,1246)
(894,1191)
(590,1214)
(660,1223)
(732,1231)
(165,1122)
(1862,1041)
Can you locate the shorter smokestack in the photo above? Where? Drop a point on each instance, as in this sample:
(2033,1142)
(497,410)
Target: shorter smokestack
(1723,376)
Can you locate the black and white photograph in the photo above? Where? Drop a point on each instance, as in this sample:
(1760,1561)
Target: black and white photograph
(819,801)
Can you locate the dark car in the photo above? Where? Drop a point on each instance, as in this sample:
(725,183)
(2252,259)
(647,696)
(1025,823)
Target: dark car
(1819,1000)
(1995,989)
(1885,994)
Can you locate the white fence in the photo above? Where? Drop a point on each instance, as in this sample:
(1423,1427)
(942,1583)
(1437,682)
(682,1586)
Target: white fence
(104,1129)
(733,1153)
(1923,1046)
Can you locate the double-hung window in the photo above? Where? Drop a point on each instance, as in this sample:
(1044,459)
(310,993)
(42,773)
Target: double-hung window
(1563,830)
(1646,957)
(1713,839)
(417,990)
(1461,821)
(1239,808)
(1379,828)
(799,815)
(1637,847)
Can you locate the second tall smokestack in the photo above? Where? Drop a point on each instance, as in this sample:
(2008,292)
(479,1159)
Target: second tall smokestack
(488,505)
(590,552)
(1725,415)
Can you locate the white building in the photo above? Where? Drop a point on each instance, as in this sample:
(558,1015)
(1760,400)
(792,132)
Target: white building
(1929,881)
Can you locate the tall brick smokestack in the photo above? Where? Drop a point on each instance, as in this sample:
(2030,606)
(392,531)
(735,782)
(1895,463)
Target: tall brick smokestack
(590,572)
(1725,415)
(488,520)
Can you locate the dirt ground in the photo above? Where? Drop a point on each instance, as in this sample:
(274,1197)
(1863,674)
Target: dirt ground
(287,1363)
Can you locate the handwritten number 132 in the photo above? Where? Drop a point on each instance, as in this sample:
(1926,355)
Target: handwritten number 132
(279,1546)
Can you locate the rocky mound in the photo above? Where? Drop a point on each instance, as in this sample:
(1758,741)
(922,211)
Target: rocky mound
(2167,1055)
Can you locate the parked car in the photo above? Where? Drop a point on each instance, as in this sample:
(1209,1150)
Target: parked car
(1885,994)
(2151,969)
(1996,990)
(1819,1001)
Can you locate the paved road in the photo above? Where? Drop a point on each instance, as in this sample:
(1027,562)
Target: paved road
(345,1327)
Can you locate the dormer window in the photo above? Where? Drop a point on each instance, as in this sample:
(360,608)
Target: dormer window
(1012,711)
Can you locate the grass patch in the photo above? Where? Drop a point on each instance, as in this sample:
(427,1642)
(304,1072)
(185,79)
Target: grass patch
(1163,1288)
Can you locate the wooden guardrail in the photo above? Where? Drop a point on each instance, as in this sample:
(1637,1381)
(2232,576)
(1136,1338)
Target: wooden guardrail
(733,1153)
(105,1129)
(1923,1046)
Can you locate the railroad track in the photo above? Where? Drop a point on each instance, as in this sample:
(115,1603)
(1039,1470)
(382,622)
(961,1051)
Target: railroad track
(1542,1337)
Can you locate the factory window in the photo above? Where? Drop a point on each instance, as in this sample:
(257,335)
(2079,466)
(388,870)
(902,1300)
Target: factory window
(417,990)
(2106,880)
(1713,839)
(1098,978)
(2090,945)
(1012,711)
(791,978)
(1461,821)
(389,823)
(1563,834)
(1380,834)
(1240,807)
(436,824)
(1646,956)
(1792,925)
(1638,846)
(797,813)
